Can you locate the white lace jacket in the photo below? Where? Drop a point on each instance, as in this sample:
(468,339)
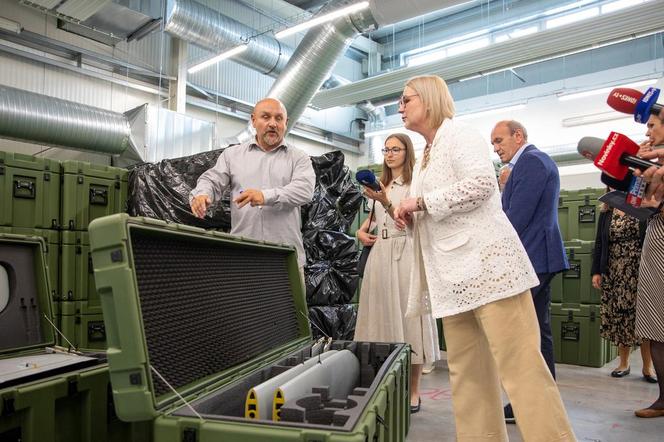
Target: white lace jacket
(467,253)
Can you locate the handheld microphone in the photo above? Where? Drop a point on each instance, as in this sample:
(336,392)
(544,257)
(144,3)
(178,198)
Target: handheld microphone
(631,101)
(367,178)
(614,156)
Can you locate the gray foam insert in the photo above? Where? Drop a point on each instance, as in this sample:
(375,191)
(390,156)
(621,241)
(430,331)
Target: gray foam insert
(20,323)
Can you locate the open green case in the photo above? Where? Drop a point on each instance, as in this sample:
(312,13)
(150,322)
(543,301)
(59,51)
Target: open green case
(195,319)
(47,393)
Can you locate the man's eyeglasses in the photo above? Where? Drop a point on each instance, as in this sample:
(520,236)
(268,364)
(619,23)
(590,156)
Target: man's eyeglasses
(394,150)
(405,99)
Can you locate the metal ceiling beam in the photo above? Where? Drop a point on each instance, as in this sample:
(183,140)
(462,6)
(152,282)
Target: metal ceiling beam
(607,29)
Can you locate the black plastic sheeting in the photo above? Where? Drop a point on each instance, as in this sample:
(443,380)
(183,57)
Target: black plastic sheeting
(337,198)
(161,190)
(335,321)
(331,270)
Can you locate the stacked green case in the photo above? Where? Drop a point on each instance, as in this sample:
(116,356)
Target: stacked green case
(90,191)
(29,191)
(578,213)
(574,286)
(138,334)
(576,336)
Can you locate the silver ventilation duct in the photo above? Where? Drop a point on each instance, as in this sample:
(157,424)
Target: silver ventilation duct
(28,116)
(310,64)
(209,29)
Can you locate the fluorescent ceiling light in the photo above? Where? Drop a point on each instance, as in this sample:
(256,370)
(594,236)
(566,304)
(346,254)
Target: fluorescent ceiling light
(572,18)
(467,47)
(214,60)
(620,4)
(322,19)
(498,110)
(416,60)
(10,25)
(604,90)
(568,7)
(599,117)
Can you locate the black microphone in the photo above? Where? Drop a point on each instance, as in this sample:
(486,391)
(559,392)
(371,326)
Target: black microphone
(367,178)
(617,184)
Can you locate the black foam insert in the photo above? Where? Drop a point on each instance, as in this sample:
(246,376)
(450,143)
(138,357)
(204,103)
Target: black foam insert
(208,306)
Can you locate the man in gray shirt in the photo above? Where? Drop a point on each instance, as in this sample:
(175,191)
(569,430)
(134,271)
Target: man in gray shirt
(269,182)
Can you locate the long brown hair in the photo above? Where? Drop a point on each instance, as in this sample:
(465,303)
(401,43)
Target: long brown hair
(408,164)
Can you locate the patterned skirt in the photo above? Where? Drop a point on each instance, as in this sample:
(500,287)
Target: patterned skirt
(650,299)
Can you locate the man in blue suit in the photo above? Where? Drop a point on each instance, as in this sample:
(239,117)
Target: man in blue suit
(530,200)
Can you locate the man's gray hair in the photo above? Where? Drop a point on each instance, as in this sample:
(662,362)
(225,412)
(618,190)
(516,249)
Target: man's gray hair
(513,126)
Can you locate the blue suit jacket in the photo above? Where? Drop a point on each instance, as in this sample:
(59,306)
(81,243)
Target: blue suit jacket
(530,200)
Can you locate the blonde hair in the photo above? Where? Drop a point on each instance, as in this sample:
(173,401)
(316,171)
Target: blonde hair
(408,164)
(435,96)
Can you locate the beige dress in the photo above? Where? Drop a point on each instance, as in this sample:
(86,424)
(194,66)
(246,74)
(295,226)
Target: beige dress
(384,291)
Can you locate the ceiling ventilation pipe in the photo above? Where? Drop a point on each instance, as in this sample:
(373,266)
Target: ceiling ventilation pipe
(307,67)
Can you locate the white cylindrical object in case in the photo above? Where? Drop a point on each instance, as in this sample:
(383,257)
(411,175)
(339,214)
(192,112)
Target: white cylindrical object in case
(340,373)
(258,404)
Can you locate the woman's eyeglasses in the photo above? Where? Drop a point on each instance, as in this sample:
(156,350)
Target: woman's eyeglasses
(405,99)
(394,150)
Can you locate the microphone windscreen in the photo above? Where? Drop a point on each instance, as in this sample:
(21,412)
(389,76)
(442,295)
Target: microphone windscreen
(609,158)
(589,147)
(367,178)
(624,99)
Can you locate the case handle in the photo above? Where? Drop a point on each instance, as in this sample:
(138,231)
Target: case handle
(24,188)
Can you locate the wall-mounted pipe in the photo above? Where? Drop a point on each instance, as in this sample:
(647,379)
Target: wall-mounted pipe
(28,116)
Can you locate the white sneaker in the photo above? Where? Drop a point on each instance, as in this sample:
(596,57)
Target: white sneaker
(428,368)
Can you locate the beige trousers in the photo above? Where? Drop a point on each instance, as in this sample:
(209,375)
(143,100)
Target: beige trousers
(500,343)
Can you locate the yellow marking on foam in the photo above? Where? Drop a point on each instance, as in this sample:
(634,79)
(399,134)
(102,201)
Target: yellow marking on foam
(251,405)
(277,403)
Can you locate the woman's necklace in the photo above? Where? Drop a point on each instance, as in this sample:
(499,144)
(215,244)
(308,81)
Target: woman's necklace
(425,156)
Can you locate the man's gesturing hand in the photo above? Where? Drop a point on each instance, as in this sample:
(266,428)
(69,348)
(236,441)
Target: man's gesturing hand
(250,196)
(200,204)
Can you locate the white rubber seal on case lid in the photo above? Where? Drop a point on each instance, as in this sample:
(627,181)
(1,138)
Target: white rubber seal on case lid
(4,288)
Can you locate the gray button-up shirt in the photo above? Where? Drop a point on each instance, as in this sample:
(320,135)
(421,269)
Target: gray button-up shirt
(284,175)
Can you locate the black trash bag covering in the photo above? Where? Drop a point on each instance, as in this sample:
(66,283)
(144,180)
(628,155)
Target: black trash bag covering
(337,198)
(161,190)
(331,270)
(336,321)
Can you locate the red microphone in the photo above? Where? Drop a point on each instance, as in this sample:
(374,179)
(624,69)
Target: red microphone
(615,155)
(631,101)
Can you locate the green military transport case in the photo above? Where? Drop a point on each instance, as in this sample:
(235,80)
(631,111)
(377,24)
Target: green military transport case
(574,286)
(91,191)
(29,191)
(198,322)
(576,338)
(47,393)
(578,213)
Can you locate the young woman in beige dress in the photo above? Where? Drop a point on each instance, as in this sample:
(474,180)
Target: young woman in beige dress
(384,292)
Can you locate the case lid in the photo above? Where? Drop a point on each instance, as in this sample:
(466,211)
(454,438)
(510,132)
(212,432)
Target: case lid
(94,170)
(19,160)
(25,301)
(196,306)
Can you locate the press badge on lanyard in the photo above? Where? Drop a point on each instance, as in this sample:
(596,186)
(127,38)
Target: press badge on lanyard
(637,188)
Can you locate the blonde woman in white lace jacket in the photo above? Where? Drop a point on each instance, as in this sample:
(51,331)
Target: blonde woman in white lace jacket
(471,269)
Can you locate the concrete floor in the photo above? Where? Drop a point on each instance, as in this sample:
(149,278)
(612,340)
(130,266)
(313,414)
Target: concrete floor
(600,407)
